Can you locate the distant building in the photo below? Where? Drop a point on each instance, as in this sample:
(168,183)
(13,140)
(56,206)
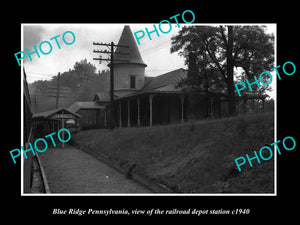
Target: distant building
(53,120)
(141,100)
(92,115)
(146,101)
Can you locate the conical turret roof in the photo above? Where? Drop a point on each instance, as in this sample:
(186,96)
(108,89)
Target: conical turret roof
(132,54)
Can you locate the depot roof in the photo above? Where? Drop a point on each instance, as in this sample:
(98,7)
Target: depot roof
(48,114)
(84,105)
(131,53)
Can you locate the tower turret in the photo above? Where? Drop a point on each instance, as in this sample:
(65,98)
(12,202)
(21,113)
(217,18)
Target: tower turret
(129,75)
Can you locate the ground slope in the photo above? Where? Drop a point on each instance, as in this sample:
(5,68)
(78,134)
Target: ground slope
(194,157)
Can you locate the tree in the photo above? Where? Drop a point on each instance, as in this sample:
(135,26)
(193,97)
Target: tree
(201,76)
(220,51)
(82,80)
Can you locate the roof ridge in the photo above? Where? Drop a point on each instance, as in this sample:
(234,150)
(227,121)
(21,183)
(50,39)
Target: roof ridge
(163,78)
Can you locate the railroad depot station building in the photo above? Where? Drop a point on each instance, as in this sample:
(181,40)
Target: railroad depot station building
(147,101)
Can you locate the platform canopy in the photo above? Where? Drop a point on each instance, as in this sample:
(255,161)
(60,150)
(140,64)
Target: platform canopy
(60,113)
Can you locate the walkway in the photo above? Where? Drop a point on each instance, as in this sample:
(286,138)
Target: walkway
(70,170)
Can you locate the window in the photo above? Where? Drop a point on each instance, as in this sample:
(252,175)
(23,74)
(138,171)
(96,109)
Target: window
(132,81)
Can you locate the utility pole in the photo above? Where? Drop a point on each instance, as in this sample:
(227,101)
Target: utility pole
(36,99)
(57,95)
(111,65)
(58,91)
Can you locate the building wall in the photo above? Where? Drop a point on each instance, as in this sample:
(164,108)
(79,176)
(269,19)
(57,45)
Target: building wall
(195,107)
(175,109)
(161,110)
(91,118)
(122,73)
(166,109)
(200,107)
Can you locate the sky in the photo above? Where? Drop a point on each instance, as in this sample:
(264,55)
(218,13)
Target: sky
(155,53)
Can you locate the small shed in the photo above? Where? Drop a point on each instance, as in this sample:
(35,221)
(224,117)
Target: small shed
(92,114)
(53,120)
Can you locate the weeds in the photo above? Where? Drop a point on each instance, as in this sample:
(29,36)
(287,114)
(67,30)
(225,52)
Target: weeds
(191,157)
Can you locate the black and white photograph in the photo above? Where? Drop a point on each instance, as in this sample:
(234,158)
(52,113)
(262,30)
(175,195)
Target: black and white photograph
(146,120)
(176,114)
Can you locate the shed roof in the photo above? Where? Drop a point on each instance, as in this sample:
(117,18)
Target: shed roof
(84,105)
(103,96)
(166,82)
(49,113)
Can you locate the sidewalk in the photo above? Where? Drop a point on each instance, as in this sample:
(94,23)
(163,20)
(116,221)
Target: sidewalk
(70,170)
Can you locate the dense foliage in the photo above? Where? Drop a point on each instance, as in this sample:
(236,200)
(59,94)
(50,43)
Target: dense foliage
(78,84)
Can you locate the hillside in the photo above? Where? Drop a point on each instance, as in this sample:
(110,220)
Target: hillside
(77,84)
(195,157)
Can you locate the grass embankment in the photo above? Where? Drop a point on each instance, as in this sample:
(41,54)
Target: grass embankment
(195,157)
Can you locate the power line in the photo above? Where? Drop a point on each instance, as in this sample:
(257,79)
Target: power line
(158,47)
(42,74)
(111,61)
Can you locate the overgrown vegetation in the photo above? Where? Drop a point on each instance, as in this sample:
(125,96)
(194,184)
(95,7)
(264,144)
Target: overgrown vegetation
(213,54)
(195,157)
(78,84)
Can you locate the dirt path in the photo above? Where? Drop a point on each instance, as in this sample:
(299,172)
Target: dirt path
(71,170)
